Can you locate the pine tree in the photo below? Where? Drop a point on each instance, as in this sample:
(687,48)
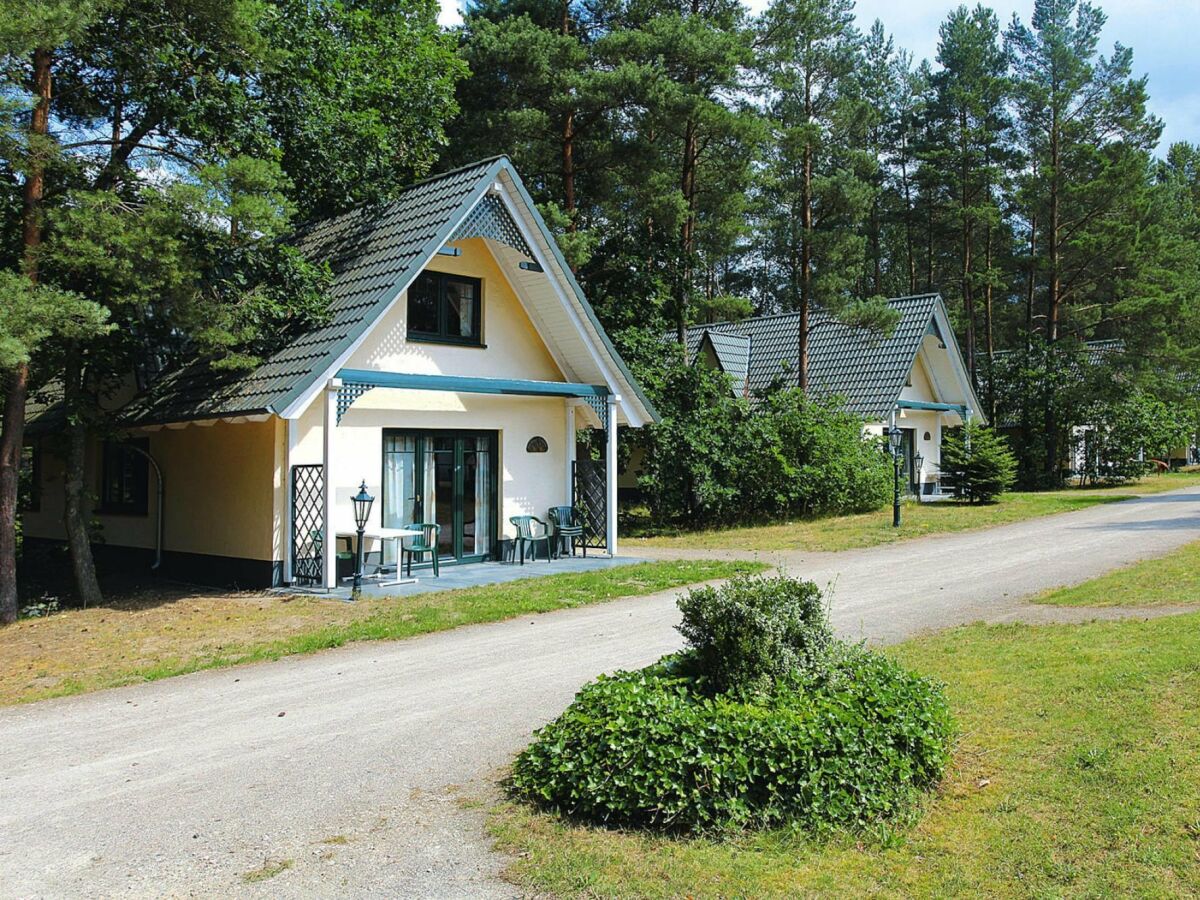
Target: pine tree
(1083,119)
(815,184)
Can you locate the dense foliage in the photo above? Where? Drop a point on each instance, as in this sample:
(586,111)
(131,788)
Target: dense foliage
(701,162)
(1124,435)
(977,464)
(718,458)
(750,634)
(849,742)
(153,159)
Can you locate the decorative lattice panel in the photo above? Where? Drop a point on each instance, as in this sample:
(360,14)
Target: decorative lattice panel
(490,219)
(600,407)
(589,499)
(347,394)
(308,495)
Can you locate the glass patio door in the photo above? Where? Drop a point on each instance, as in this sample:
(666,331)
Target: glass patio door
(447,477)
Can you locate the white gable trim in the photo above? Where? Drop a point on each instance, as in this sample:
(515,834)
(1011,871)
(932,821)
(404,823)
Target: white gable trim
(554,277)
(956,360)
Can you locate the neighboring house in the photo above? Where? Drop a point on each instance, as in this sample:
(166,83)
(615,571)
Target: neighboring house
(1109,357)
(459,361)
(915,377)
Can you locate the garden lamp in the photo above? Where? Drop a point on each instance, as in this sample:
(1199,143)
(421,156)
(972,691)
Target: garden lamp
(895,436)
(362,511)
(918,462)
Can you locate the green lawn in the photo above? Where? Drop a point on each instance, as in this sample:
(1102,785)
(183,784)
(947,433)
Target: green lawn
(1076,774)
(162,633)
(871,529)
(1169,580)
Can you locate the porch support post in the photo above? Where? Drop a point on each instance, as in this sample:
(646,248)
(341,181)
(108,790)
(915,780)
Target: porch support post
(328,536)
(610,476)
(569,475)
(289,436)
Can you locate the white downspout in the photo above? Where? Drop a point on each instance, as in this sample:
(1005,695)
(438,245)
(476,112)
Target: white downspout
(610,476)
(329,537)
(160,495)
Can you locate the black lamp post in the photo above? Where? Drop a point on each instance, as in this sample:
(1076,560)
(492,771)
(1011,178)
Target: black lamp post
(362,511)
(918,463)
(894,437)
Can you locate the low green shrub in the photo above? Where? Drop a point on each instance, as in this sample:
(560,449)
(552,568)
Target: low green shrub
(851,746)
(753,631)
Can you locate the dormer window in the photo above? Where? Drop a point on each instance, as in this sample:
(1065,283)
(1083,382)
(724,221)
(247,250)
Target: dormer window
(445,308)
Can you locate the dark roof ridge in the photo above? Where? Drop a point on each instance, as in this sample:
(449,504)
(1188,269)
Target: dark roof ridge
(309,224)
(819,310)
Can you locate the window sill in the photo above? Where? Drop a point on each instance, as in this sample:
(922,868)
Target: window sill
(122,512)
(448,342)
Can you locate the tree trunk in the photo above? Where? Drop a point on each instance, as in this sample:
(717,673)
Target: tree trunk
(11,440)
(1053,300)
(12,432)
(568,169)
(687,236)
(989,336)
(806,228)
(568,142)
(966,224)
(75,518)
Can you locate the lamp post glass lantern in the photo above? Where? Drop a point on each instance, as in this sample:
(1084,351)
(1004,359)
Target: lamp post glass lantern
(894,439)
(362,512)
(918,464)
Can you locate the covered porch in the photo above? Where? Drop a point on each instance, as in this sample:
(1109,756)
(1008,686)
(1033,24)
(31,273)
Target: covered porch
(479,455)
(921,423)
(472,575)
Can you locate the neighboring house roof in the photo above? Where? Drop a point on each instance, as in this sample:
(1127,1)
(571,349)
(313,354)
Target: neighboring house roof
(375,252)
(865,368)
(732,352)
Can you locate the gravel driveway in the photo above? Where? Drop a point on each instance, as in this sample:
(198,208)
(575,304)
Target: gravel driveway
(343,773)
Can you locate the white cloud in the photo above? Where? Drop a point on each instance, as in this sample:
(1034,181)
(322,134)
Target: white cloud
(450,15)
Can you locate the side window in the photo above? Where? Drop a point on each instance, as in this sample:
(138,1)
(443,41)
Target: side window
(445,308)
(124,478)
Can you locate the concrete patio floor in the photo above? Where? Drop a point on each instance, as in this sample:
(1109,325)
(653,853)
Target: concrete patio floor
(470,575)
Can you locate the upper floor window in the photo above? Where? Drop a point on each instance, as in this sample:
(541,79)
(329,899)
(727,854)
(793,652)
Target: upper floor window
(124,478)
(445,308)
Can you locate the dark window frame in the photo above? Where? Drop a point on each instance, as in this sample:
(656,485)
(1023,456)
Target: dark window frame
(423,446)
(443,334)
(113,458)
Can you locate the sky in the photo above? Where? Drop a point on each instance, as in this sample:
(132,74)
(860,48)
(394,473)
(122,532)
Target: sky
(1161,33)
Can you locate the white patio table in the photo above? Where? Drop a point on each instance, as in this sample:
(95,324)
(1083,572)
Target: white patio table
(381,535)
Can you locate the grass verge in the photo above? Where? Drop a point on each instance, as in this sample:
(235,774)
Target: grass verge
(160,634)
(919,519)
(1075,775)
(1170,580)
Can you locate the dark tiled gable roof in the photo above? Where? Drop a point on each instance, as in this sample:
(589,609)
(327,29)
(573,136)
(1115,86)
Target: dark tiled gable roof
(733,353)
(371,251)
(859,365)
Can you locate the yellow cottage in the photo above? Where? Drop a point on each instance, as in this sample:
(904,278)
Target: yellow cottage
(460,359)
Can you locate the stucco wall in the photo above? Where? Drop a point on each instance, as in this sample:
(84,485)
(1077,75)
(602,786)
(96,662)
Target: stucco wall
(529,483)
(220,492)
(512,347)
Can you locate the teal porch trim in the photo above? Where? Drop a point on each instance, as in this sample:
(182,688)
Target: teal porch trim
(964,411)
(356,382)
